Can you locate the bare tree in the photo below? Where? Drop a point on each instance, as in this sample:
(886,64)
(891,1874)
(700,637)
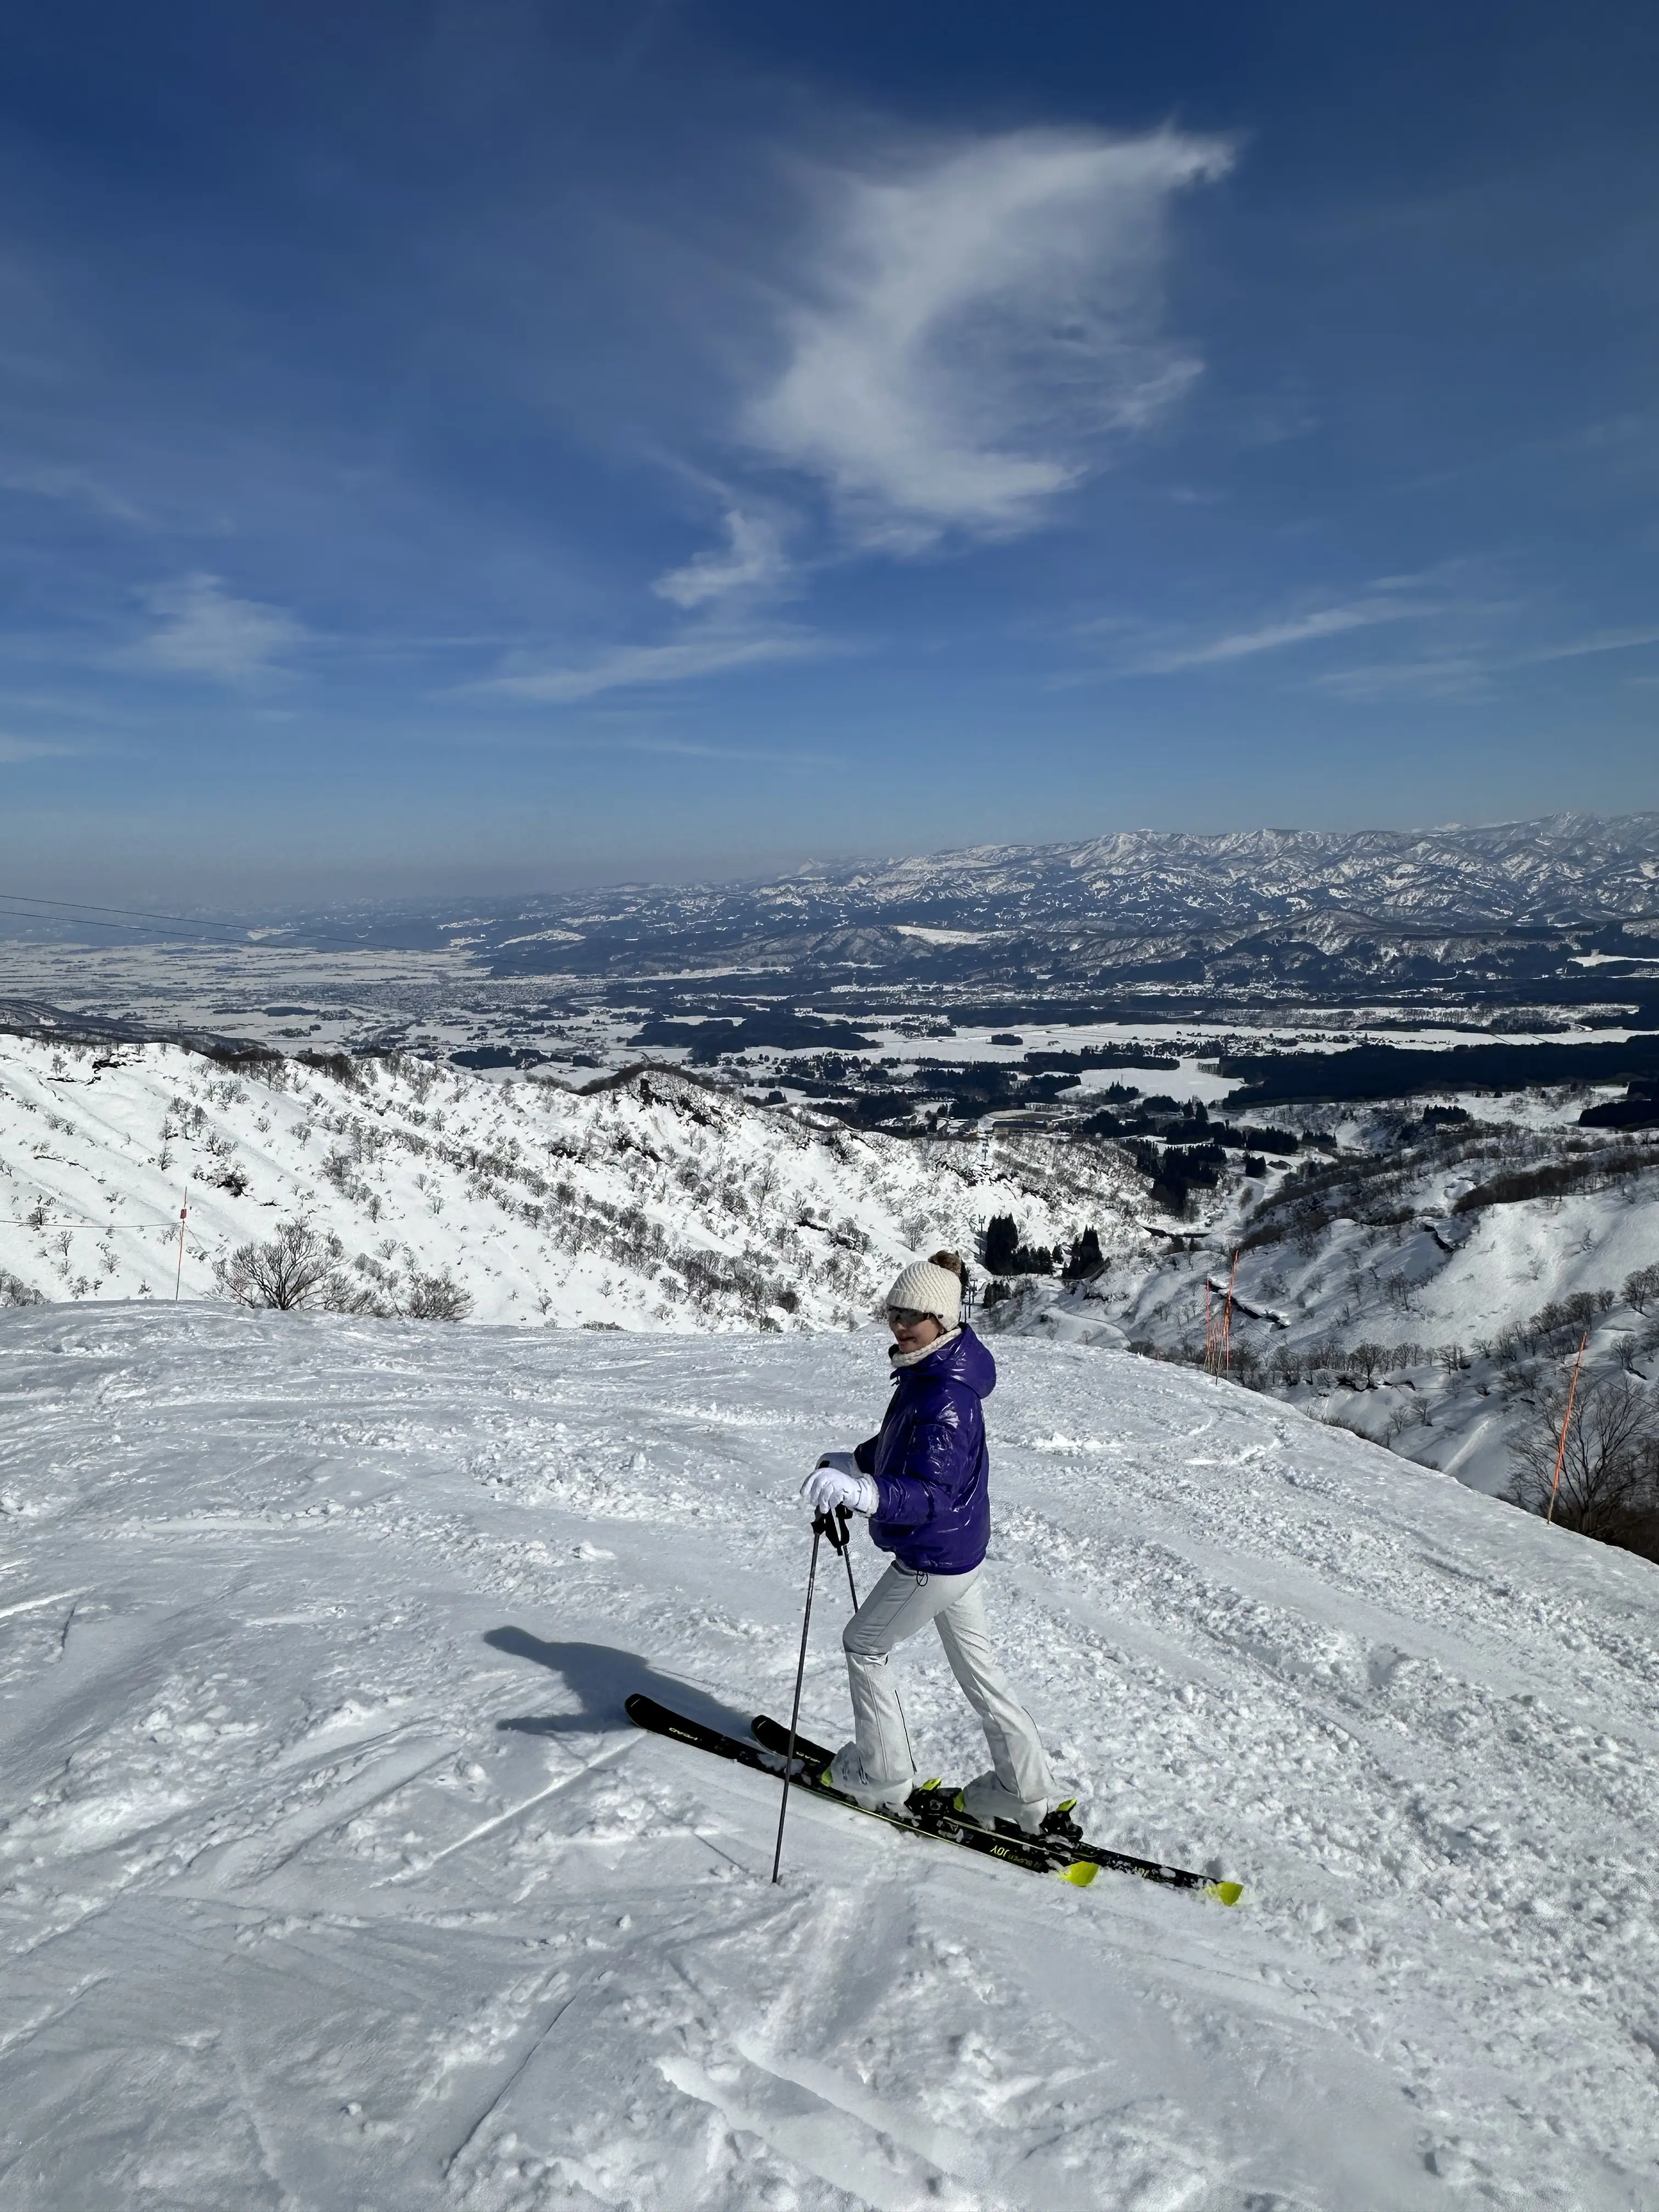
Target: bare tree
(435,1297)
(1286,1366)
(295,1269)
(1610,1465)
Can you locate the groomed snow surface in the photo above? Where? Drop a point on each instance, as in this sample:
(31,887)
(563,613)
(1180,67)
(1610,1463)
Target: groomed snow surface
(332,1875)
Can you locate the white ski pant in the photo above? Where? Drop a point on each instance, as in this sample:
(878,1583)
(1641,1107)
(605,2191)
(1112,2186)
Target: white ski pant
(899,1605)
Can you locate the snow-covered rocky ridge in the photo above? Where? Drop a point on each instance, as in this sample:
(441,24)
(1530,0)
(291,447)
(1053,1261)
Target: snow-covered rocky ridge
(1377,1303)
(658,1204)
(331,1873)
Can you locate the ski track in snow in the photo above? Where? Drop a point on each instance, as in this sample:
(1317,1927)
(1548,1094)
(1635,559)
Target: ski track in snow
(331,1874)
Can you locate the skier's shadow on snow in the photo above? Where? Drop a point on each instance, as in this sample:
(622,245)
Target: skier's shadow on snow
(602,1679)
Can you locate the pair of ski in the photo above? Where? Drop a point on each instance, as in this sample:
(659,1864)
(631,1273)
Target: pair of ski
(932,1810)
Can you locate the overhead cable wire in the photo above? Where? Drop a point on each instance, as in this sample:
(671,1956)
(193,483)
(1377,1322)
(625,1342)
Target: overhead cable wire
(83,914)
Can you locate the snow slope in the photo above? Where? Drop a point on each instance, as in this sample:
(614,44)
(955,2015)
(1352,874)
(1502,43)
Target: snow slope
(331,1874)
(657,1205)
(1416,1287)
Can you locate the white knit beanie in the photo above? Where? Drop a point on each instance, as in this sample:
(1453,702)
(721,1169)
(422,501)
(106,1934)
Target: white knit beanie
(930,1290)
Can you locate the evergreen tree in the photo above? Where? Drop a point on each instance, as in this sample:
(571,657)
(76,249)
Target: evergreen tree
(1001,1243)
(1085,1256)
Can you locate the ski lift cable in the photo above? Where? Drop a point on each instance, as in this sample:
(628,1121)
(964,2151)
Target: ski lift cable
(22,903)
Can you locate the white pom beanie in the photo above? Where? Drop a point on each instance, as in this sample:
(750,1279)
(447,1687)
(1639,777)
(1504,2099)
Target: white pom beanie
(930,1290)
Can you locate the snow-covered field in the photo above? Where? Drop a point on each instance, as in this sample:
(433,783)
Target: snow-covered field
(331,1874)
(335,995)
(657,1205)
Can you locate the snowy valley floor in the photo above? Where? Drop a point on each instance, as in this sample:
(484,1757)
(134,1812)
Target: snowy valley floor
(331,1874)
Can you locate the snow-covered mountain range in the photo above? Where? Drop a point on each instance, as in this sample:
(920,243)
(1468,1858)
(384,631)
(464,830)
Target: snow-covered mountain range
(332,1874)
(1562,870)
(1505,914)
(1565,868)
(1522,927)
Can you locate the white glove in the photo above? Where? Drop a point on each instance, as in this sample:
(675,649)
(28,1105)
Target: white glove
(843,1462)
(827,1487)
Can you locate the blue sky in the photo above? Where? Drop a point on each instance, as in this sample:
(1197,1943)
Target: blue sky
(495,445)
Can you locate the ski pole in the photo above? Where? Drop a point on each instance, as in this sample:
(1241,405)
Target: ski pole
(840,1533)
(819,1525)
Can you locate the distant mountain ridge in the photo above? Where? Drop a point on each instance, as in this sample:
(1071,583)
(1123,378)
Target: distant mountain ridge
(1557,918)
(1566,869)
(1544,912)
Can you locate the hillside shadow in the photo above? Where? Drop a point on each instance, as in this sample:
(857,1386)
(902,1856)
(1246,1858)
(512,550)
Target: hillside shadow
(601,1679)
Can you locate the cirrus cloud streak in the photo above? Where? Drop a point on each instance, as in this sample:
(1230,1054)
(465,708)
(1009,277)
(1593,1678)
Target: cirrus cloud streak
(709,651)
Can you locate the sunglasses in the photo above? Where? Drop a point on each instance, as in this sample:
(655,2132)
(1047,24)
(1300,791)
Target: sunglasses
(908,1317)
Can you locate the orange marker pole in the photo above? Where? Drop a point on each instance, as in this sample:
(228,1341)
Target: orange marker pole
(178,1280)
(1227,1316)
(1561,1452)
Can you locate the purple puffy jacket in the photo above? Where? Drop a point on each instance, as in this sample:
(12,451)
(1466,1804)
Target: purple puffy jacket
(930,1464)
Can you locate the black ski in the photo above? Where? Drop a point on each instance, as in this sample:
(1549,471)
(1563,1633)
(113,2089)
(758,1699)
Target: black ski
(944,1804)
(645,1712)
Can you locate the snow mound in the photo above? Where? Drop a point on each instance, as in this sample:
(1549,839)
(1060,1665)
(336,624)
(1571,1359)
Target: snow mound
(331,1873)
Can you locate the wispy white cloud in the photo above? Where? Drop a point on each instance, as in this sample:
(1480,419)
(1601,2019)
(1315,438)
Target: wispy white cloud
(753,561)
(1452,675)
(1273,637)
(16,749)
(201,630)
(972,321)
(772,756)
(710,651)
(724,590)
(1575,648)
(1468,671)
(75,486)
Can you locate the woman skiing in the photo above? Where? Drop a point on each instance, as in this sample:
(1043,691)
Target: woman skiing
(922,1480)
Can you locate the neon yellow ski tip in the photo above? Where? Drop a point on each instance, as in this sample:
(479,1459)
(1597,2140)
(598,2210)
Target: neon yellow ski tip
(1228,1892)
(937,1784)
(1080,1871)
